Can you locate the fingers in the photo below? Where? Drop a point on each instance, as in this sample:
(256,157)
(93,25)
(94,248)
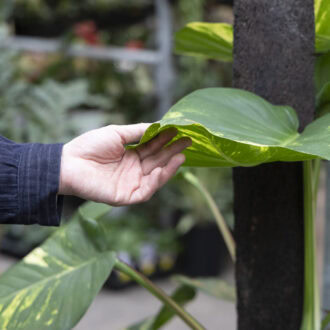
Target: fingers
(149,186)
(171,168)
(130,133)
(157,143)
(156,179)
(161,158)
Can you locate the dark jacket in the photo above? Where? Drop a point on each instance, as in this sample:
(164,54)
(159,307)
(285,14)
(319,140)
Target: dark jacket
(29,181)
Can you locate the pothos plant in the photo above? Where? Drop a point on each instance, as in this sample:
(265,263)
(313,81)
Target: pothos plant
(52,287)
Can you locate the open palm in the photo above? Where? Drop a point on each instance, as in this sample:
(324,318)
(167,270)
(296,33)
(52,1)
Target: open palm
(96,166)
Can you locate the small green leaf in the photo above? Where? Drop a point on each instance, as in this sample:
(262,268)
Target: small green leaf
(322,84)
(145,324)
(211,286)
(325,322)
(322,25)
(322,71)
(231,127)
(53,286)
(208,40)
(94,210)
(323,97)
(182,296)
(98,231)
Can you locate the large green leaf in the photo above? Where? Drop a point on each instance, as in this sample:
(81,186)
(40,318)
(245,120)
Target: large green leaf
(322,25)
(231,127)
(211,286)
(182,295)
(52,287)
(208,40)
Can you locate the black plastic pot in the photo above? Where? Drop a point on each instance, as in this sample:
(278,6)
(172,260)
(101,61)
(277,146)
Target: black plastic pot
(205,253)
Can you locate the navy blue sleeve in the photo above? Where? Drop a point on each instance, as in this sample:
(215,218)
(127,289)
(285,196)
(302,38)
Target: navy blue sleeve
(29,182)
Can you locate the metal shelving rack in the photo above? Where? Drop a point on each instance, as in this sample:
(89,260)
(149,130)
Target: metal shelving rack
(160,59)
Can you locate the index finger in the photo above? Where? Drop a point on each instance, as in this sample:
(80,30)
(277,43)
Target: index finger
(156,144)
(131,133)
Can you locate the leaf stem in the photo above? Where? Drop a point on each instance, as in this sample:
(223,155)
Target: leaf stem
(311,309)
(159,293)
(227,236)
(316,179)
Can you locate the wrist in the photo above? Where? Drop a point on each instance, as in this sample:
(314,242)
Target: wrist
(64,182)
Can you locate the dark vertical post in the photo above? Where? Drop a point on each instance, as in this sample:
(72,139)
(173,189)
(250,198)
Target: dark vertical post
(273,57)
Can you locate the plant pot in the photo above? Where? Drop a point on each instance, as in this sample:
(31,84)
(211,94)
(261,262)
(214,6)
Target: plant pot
(205,253)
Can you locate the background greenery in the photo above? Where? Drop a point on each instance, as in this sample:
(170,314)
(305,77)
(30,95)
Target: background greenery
(51,98)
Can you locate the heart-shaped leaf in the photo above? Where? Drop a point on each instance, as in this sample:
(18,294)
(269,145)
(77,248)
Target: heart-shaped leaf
(231,127)
(208,40)
(211,286)
(52,287)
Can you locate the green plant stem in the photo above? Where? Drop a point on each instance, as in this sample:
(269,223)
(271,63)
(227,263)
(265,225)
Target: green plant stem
(316,179)
(311,309)
(227,236)
(159,293)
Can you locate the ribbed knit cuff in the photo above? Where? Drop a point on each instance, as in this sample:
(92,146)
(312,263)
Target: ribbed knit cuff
(38,183)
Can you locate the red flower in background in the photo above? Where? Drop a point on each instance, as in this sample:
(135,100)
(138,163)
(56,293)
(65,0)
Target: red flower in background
(134,44)
(87,31)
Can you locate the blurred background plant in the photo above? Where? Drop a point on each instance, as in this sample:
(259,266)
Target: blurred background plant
(219,185)
(53,97)
(42,113)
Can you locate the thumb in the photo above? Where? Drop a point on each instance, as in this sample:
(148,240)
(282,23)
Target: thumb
(131,133)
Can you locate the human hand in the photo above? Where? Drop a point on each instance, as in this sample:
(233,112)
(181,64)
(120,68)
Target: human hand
(96,166)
